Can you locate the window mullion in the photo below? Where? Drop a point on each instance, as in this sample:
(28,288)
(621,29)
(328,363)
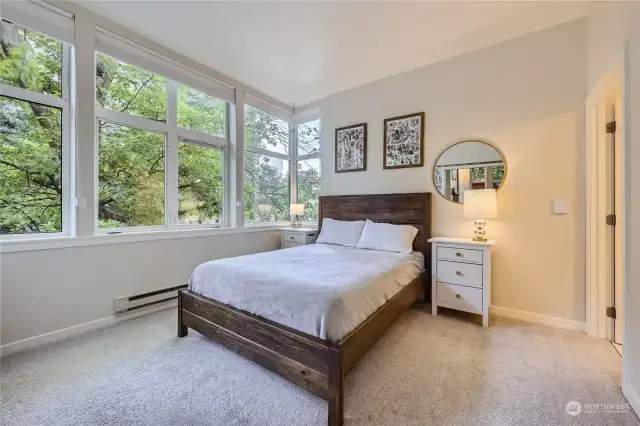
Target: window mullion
(268,153)
(171,157)
(293,165)
(68,141)
(201,137)
(29,96)
(132,120)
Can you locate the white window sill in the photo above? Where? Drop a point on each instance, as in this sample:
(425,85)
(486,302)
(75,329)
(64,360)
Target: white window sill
(48,243)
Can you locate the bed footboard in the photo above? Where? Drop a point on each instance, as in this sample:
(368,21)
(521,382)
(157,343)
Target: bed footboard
(315,364)
(305,360)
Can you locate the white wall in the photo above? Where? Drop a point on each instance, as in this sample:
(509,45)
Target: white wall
(631,359)
(526,96)
(609,27)
(49,290)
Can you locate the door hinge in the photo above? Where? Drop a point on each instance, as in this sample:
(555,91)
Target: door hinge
(611,219)
(611,127)
(611,312)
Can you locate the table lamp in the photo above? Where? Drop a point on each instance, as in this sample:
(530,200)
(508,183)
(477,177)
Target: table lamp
(480,205)
(295,210)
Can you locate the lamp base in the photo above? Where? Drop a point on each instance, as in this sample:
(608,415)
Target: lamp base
(479,234)
(295,223)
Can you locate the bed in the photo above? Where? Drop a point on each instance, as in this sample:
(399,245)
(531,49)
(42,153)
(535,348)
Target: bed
(315,347)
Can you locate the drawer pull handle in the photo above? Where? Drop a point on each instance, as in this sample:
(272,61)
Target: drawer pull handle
(458,254)
(291,238)
(457,296)
(458,273)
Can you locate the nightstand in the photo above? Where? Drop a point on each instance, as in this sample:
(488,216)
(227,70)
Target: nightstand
(294,237)
(461,275)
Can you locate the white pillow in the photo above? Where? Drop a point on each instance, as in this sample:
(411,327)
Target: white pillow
(340,232)
(387,237)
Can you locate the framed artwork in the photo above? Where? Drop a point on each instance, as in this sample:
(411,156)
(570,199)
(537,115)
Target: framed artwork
(404,141)
(351,148)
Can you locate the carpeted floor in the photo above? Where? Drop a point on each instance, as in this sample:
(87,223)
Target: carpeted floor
(443,370)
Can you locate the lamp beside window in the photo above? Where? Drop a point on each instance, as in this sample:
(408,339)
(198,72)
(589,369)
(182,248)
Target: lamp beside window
(295,210)
(480,205)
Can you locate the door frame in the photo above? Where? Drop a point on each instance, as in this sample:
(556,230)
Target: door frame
(598,258)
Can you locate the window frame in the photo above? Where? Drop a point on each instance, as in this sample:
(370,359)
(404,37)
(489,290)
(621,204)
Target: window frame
(224,219)
(174,135)
(66,104)
(259,105)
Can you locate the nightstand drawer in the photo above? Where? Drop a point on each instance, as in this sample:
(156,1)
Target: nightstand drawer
(287,244)
(460,297)
(459,273)
(465,255)
(290,237)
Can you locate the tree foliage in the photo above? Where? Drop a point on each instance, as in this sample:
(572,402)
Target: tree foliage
(131,166)
(30,136)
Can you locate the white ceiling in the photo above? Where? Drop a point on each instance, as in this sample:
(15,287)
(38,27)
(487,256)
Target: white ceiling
(302,52)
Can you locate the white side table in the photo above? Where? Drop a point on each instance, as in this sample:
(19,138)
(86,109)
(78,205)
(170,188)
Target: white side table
(294,237)
(461,275)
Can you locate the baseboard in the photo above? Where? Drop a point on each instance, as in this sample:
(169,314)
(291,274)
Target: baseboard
(65,333)
(539,319)
(632,397)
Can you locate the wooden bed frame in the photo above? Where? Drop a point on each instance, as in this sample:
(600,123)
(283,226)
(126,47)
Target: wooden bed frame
(317,365)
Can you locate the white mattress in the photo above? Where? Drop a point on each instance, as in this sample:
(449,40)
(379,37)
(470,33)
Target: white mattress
(320,289)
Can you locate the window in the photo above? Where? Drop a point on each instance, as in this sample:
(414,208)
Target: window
(34,141)
(128,89)
(266,188)
(157,170)
(266,168)
(131,166)
(130,176)
(30,167)
(200,112)
(265,131)
(308,167)
(200,184)
(308,187)
(309,138)
(31,61)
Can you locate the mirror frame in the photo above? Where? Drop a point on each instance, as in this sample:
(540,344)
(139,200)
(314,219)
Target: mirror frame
(433,169)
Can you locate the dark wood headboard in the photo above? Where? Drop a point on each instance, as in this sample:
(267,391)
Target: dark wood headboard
(399,209)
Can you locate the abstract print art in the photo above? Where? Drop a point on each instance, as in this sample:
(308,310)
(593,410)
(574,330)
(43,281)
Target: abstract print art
(351,148)
(404,141)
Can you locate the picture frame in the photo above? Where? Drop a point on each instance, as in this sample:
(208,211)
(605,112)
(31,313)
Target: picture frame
(351,148)
(403,141)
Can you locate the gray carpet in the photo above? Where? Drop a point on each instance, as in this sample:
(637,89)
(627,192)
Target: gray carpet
(442,370)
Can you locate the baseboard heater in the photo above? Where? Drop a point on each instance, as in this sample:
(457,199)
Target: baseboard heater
(127,304)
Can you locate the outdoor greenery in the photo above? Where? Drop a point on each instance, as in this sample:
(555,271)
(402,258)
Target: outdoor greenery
(131,165)
(497,173)
(30,136)
(266,189)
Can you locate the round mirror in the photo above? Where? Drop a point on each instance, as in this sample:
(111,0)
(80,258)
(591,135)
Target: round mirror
(468,165)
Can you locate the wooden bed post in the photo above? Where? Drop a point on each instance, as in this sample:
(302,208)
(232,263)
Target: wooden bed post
(336,387)
(183,330)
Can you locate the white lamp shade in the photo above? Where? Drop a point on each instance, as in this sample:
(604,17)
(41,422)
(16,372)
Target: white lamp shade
(296,208)
(480,204)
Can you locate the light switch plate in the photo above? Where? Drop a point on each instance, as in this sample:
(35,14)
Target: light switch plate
(560,206)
